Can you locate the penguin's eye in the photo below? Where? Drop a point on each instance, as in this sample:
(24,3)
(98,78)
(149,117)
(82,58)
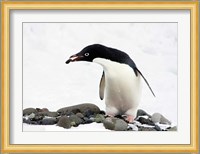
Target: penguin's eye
(87,54)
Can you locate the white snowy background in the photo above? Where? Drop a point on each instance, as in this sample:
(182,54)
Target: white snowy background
(50,83)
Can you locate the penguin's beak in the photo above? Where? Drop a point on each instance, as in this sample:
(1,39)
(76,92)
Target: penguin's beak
(73,58)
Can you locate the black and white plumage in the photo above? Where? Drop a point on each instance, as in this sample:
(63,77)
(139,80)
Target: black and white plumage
(120,84)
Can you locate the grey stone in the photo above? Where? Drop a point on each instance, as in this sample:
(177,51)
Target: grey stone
(87,120)
(88,113)
(80,115)
(28,111)
(141,112)
(121,125)
(77,120)
(48,113)
(42,110)
(48,121)
(159,118)
(52,114)
(157,128)
(115,124)
(99,118)
(37,118)
(172,128)
(73,124)
(31,116)
(145,121)
(147,129)
(82,108)
(109,124)
(28,121)
(64,122)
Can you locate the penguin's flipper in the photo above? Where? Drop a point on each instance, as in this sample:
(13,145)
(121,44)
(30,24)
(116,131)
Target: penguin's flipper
(144,80)
(102,86)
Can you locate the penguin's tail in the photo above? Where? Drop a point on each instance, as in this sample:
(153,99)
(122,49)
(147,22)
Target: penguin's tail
(145,81)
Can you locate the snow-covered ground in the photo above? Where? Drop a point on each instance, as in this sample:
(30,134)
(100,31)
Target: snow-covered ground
(48,82)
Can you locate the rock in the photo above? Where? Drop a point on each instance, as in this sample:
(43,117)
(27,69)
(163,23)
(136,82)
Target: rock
(42,110)
(141,112)
(82,108)
(88,113)
(28,111)
(48,121)
(87,120)
(73,124)
(115,124)
(99,118)
(47,113)
(52,114)
(28,121)
(145,121)
(147,129)
(172,128)
(157,128)
(64,122)
(31,116)
(159,118)
(37,118)
(120,125)
(77,120)
(132,127)
(109,124)
(80,115)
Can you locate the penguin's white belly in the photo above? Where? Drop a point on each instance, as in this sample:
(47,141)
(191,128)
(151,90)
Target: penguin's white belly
(122,88)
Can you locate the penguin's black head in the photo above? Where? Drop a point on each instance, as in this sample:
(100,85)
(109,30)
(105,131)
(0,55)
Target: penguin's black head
(89,53)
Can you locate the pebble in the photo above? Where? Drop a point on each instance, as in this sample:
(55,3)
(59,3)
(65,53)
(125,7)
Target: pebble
(82,108)
(48,121)
(109,124)
(147,129)
(88,113)
(28,111)
(99,118)
(37,118)
(145,121)
(121,125)
(77,120)
(141,112)
(159,118)
(48,113)
(172,128)
(42,110)
(115,124)
(31,116)
(64,122)
(87,120)
(157,128)
(28,121)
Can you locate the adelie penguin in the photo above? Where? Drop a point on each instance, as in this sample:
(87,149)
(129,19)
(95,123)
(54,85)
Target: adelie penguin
(120,83)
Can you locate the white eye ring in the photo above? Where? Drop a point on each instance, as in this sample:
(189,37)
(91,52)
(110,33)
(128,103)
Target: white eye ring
(87,54)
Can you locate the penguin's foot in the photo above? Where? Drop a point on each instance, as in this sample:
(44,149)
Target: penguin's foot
(129,118)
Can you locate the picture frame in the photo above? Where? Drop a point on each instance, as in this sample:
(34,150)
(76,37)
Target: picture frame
(8,6)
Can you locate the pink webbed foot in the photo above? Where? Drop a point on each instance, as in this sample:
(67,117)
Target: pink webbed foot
(130,118)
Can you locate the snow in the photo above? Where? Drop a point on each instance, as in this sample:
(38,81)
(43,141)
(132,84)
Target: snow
(49,83)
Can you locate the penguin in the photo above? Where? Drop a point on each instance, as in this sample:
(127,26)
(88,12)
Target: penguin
(120,85)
